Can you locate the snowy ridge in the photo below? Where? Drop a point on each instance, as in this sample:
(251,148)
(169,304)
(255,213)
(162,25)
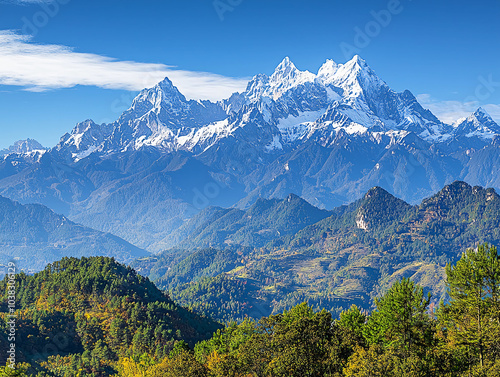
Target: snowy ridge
(296,127)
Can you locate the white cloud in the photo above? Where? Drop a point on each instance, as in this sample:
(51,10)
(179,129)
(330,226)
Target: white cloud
(44,67)
(451,111)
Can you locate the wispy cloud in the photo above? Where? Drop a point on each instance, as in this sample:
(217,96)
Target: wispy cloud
(40,67)
(451,111)
(26,2)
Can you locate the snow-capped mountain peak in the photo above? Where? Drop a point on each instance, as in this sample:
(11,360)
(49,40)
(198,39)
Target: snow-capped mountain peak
(284,69)
(85,126)
(162,95)
(479,124)
(166,90)
(327,71)
(257,87)
(24,147)
(481,113)
(285,77)
(354,77)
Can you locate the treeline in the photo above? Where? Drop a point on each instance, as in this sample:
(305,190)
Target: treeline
(405,335)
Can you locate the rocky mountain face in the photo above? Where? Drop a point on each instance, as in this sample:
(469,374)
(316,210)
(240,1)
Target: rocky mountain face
(327,137)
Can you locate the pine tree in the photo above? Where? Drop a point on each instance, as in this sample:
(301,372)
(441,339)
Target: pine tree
(400,321)
(474,289)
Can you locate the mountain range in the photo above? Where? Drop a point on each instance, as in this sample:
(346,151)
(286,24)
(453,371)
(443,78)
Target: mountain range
(279,253)
(327,137)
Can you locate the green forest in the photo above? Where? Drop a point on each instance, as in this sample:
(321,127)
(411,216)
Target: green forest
(103,319)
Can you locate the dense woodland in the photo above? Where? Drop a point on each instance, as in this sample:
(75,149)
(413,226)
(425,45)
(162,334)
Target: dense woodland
(112,322)
(79,316)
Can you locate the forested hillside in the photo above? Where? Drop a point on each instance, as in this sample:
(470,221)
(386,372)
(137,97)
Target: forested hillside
(79,316)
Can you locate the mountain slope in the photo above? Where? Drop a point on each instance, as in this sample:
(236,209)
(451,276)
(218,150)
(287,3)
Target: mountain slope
(34,236)
(264,221)
(145,195)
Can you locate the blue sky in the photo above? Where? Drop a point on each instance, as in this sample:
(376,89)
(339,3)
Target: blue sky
(64,61)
